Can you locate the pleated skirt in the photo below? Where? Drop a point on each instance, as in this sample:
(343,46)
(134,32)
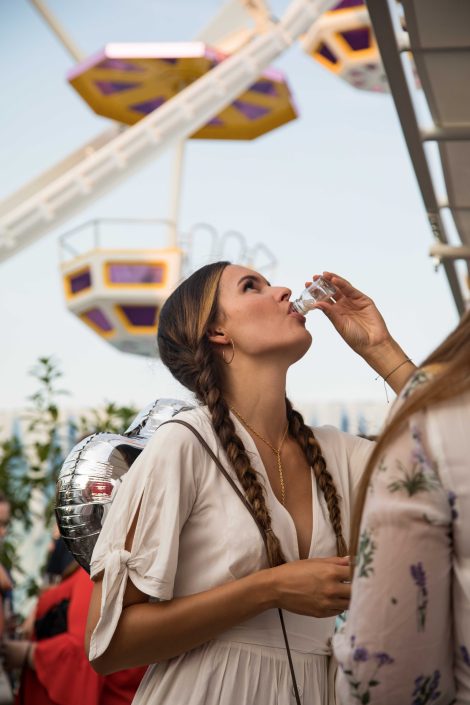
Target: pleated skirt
(234,673)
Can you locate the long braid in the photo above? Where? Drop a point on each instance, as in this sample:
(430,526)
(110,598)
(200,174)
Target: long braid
(208,391)
(309,444)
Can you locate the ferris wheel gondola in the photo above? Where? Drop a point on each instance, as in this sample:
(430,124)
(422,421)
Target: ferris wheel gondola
(158,94)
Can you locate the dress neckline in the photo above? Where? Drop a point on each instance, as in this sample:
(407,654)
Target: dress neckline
(276,505)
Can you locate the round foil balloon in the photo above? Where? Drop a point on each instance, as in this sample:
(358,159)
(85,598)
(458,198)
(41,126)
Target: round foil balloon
(92,474)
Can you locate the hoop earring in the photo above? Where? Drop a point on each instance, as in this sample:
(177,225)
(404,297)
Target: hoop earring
(233,353)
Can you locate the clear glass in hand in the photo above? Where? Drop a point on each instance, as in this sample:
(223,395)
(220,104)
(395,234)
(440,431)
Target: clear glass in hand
(319,290)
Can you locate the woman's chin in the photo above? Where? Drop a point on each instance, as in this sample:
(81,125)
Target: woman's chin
(301,347)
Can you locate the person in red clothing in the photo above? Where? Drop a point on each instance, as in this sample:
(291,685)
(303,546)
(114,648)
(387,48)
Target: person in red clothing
(55,668)
(6,602)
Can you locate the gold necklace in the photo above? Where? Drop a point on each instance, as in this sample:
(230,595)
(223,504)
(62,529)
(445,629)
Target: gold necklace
(276,451)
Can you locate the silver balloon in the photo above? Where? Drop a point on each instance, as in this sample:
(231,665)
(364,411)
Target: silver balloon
(150,418)
(92,474)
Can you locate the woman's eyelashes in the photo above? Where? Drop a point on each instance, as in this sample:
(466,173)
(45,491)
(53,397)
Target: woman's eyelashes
(255,284)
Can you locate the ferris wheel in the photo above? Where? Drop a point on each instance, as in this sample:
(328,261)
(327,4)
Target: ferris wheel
(219,86)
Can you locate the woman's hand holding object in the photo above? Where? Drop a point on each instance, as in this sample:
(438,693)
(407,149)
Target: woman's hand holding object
(317,587)
(361,325)
(354,315)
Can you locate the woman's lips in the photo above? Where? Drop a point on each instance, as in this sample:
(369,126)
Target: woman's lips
(295,314)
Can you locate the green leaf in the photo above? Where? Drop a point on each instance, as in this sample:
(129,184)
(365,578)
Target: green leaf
(33,463)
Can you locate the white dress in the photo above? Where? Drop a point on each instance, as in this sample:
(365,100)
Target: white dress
(193,533)
(407,637)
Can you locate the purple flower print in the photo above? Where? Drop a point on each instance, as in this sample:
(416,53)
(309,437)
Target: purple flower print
(383,659)
(426,689)
(465,655)
(360,688)
(361,654)
(418,454)
(420,460)
(419,576)
(452,498)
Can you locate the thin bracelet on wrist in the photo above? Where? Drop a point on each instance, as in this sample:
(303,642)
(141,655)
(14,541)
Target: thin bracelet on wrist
(397,368)
(391,373)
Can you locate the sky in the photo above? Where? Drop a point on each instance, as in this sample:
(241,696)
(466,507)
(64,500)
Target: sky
(333,190)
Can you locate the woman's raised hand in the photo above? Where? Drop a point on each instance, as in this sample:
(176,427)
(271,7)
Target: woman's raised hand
(354,315)
(317,587)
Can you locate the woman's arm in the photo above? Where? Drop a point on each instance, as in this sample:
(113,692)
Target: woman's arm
(360,324)
(386,359)
(148,632)
(18,653)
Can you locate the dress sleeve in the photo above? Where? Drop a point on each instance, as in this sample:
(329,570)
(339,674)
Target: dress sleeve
(346,452)
(359,450)
(393,647)
(162,486)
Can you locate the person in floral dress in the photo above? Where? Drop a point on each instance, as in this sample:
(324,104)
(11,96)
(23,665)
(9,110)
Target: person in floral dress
(406,640)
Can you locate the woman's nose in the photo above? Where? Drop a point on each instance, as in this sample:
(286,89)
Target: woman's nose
(284,293)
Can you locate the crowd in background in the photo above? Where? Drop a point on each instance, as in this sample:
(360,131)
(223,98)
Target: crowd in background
(43,656)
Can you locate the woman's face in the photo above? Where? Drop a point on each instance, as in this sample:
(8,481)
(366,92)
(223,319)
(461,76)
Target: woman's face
(258,317)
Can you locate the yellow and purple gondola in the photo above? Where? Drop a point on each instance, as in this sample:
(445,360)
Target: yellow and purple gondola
(342,40)
(126,82)
(119,293)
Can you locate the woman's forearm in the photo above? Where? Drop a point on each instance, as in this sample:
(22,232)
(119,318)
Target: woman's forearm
(148,632)
(386,360)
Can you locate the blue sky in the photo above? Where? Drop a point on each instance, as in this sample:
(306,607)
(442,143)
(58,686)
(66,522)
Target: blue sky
(332,190)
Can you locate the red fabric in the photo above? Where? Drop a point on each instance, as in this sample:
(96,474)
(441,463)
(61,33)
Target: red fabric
(63,673)
(119,688)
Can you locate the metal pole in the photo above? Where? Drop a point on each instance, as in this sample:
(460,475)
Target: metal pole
(175,195)
(450,251)
(60,33)
(382,24)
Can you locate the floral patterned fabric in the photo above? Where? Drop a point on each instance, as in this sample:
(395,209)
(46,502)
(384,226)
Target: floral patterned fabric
(406,640)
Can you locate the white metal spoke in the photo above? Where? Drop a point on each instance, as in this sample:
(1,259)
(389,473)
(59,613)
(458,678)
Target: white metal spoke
(95,174)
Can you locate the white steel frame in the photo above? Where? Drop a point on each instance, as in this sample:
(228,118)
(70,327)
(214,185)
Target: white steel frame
(392,43)
(174,121)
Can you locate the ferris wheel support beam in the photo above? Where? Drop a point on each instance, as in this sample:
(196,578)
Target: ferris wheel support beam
(77,55)
(174,121)
(58,30)
(452,252)
(176,186)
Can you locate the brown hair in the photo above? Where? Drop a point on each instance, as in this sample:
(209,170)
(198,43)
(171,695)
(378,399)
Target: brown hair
(452,378)
(188,353)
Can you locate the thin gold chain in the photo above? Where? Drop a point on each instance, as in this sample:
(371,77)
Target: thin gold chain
(276,451)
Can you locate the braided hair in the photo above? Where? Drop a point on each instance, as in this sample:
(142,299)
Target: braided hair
(304,435)
(186,350)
